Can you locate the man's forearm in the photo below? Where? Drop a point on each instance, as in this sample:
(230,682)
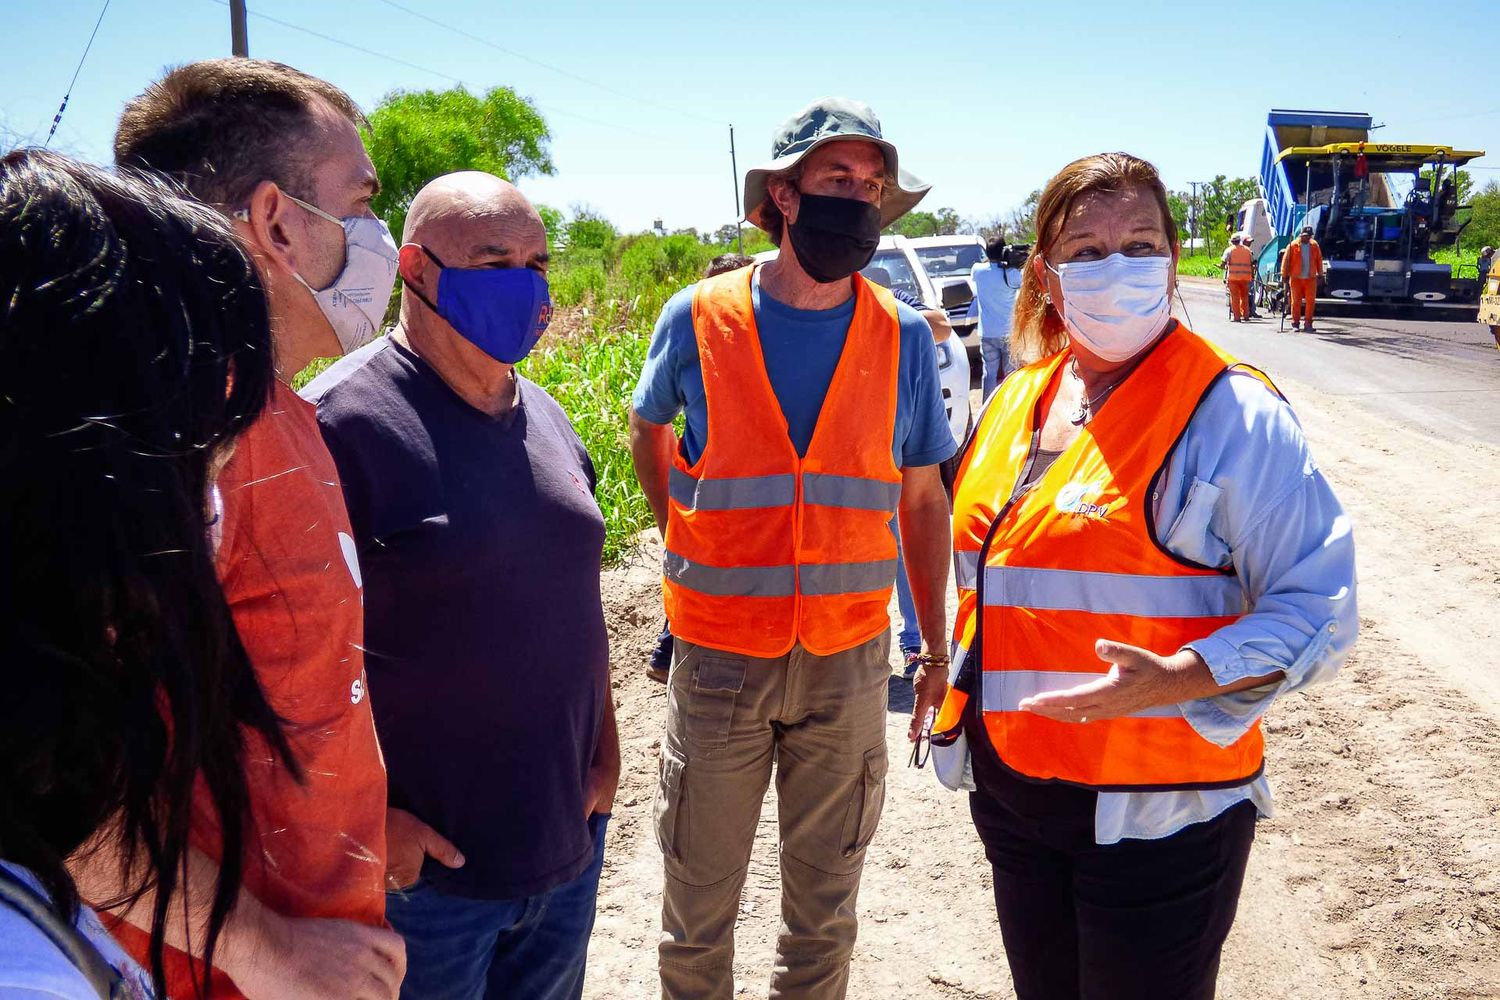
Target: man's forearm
(651,452)
(926,542)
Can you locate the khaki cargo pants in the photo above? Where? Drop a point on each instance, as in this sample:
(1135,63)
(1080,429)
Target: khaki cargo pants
(822,720)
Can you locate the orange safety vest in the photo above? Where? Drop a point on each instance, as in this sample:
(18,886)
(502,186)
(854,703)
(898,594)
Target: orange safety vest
(766,549)
(1241,264)
(1076,559)
(1291,261)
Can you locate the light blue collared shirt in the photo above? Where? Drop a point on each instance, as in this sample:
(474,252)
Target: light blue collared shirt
(995,290)
(1242,489)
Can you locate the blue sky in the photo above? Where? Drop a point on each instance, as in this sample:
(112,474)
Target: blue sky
(985,100)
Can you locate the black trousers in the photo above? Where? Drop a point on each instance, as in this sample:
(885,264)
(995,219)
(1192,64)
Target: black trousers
(1140,919)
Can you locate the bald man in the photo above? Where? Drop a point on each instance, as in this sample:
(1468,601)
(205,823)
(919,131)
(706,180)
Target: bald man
(472,503)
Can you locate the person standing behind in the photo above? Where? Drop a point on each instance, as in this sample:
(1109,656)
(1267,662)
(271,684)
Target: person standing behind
(812,411)
(280,152)
(125,681)
(473,508)
(1239,268)
(1485,262)
(1301,266)
(994,300)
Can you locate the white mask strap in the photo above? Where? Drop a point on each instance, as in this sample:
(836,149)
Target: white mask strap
(314,209)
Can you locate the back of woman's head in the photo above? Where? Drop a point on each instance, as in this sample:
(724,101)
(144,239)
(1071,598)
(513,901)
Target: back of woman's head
(1037,329)
(134,344)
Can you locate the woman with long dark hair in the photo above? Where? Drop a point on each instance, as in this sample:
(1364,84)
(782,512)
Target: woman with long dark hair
(134,345)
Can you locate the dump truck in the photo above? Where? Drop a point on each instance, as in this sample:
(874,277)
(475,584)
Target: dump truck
(1378,210)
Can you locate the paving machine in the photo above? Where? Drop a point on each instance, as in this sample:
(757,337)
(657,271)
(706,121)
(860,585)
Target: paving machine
(1378,210)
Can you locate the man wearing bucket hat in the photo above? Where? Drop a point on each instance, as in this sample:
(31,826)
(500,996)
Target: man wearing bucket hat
(812,414)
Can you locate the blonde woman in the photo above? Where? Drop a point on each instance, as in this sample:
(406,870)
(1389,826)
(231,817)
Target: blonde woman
(1147,557)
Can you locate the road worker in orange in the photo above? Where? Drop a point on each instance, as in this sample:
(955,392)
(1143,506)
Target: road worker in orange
(1301,266)
(812,414)
(1147,556)
(1239,268)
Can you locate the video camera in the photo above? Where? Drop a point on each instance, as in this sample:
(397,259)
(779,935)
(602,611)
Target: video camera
(1014,255)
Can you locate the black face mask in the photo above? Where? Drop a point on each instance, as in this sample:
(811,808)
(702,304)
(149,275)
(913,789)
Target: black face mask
(834,237)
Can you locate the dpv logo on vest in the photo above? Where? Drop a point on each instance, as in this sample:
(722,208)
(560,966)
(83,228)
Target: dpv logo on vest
(1071,499)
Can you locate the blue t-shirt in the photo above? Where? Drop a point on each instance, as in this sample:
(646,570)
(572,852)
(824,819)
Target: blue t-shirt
(480,543)
(802,348)
(995,290)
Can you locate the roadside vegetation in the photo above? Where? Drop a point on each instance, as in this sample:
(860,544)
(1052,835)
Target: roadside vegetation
(608,287)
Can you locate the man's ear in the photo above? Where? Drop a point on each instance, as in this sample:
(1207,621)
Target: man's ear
(413,265)
(785,196)
(268,216)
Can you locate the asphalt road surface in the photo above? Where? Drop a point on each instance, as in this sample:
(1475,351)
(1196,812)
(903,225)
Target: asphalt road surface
(1431,373)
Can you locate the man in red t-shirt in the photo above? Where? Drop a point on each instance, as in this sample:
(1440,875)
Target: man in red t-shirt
(280,151)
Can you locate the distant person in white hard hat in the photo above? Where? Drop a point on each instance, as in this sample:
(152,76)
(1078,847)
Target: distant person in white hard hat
(1248,242)
(1238,267)
(1486,260)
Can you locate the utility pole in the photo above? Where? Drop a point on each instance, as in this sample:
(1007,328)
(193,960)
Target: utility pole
(239,35)
(734,169)
(1193,220)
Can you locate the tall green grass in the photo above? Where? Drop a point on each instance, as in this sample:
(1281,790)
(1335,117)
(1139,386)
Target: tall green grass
(608,301)
(592,378)
(1200,265)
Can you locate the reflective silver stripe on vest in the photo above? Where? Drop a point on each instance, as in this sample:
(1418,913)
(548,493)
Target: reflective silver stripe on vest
(743,493)
(1113,593)
(966,569)
(730,581)
(959,656)
(827,490)
(1004,689)
(828,579)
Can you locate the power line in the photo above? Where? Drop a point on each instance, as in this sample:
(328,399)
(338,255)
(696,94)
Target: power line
(57,118)
(548,66)
(346,44)
(438,73)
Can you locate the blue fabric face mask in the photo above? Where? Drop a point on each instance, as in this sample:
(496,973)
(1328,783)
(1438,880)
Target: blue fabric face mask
(500,310)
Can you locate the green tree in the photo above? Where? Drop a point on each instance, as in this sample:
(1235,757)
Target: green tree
(1465,183)
(589,230)
(1484,225)
(554,220)
(1179,207)
(943,222)
(1020,222)
(415,136)
(1217,202)
(726,235)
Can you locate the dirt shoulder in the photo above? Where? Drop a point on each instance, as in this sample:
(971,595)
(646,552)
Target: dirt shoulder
(1378,877)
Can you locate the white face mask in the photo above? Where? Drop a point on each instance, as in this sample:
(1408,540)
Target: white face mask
(1115,306)
(355,302)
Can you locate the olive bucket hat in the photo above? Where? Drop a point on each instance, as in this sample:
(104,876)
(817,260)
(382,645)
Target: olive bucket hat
(833,119)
